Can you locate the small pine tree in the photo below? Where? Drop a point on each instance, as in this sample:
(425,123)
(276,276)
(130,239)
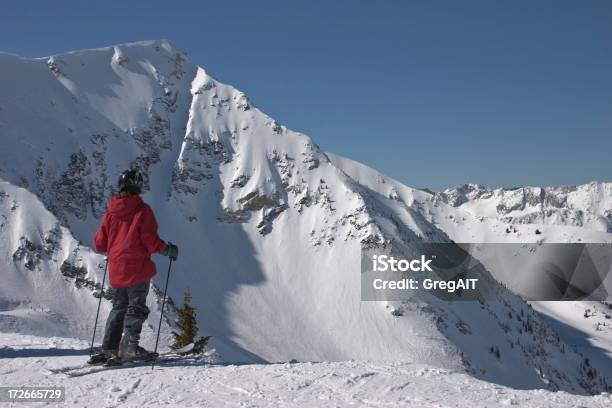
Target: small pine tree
(187,322)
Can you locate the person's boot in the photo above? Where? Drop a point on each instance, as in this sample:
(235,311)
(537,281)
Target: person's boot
(135,352)
(102,356)
(129,350)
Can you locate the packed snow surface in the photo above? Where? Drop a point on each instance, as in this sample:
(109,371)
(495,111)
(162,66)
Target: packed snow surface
(311,384)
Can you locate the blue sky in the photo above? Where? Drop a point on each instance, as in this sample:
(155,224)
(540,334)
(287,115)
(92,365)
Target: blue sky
(433,93)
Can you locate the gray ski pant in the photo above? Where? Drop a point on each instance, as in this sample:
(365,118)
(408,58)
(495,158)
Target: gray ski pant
(128,314)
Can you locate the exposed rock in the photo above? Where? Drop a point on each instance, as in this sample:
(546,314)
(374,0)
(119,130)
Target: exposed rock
(28,253)
(240,181)
(69,193)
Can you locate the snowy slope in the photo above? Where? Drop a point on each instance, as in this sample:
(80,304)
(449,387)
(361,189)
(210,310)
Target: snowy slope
(269,226)
(578,214)
(42,266)
(585,326)
(338,384)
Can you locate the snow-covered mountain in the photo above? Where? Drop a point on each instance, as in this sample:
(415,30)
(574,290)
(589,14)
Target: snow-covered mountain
(588,205)
(269,226)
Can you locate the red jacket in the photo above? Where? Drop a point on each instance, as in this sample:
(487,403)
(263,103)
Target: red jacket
(129,235)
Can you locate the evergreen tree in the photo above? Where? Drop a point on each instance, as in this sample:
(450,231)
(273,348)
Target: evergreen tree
(188,325)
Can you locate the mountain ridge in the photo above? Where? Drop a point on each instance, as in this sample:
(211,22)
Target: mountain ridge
(586,205)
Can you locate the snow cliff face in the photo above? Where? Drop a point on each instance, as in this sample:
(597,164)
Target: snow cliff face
(269,226)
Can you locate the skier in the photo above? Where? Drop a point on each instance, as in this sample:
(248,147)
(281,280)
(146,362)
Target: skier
(128,234)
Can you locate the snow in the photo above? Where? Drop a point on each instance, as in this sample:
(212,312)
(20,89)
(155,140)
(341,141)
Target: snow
(270,230)
(192,384)
(592,334)
(588,205)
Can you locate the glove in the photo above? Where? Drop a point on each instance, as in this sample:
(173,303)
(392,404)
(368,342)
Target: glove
(171,251)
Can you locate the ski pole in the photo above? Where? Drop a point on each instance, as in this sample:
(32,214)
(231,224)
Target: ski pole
(98,311)
(161,315)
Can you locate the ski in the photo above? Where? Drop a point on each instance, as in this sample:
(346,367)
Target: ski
(87,368)
(78,367)
(184,349)
(164,357)
(127,364)
(60,370)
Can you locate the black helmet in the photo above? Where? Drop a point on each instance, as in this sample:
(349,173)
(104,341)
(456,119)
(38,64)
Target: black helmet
(130,181)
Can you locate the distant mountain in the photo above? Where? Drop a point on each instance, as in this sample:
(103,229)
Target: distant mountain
(588,205)
(269,226)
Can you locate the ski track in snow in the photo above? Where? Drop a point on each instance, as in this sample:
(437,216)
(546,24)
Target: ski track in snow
(337,384)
